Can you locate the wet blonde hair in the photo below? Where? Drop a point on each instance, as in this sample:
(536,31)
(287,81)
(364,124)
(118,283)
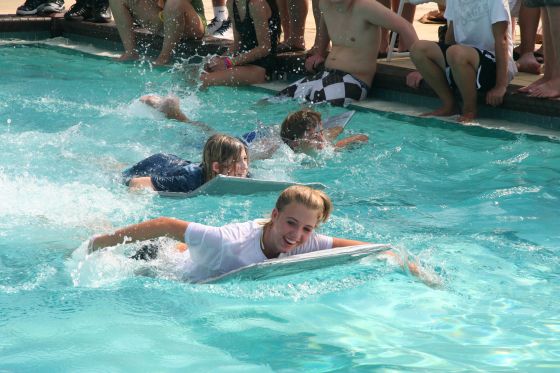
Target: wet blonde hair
(313,199)
(223,149)
(297,123)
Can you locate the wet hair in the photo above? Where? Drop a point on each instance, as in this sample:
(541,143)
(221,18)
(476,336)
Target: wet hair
(296,124)
(223,149)
(313,199)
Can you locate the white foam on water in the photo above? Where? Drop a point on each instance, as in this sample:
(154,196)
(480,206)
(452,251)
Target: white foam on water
(109,266)
(73,204)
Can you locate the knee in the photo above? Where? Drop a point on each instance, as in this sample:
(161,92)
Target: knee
(457,55)
(421,48)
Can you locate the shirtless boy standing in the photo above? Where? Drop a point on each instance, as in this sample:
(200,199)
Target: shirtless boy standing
(353,26)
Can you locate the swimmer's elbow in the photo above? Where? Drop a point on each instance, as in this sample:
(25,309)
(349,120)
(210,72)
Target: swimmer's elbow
(171,227)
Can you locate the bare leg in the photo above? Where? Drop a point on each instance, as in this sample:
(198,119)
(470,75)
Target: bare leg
(464,62)
(528,24)
(180,19)
(284,17)
(298,13)
(123,11)
(317,18)
(429,61)
(167,105)
(236,76)
(550,87)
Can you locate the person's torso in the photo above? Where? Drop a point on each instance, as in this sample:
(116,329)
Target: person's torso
(355,41)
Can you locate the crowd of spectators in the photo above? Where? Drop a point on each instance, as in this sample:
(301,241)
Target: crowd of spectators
(475,51)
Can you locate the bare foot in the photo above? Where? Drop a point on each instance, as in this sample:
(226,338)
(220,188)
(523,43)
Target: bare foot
(151,100)
(548,89)
(532,86)
(527,63)
(467,117)
(161,60)
(128,56)
(167,105)
(441,112)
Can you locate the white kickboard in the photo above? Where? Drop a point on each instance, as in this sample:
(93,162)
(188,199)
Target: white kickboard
(340,120)
(221,185)
(299,263)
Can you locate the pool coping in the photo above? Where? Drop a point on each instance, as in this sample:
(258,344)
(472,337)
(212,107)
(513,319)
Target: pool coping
(389,82)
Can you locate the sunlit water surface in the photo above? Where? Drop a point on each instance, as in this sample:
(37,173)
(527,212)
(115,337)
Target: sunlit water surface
(478,207)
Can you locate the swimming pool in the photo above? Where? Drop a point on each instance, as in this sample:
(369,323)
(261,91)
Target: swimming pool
(478,206)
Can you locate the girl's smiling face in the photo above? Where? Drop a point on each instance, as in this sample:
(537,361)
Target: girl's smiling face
(290,228)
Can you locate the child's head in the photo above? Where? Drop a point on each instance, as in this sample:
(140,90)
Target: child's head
(298,211)
(303,130)
(225,155)
(309,198)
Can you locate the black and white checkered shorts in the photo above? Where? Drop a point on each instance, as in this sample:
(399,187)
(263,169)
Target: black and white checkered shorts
(333,86)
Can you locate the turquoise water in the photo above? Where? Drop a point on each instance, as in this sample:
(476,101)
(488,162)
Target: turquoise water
(478,207)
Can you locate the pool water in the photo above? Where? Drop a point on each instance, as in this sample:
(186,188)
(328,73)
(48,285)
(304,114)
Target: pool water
(477,207)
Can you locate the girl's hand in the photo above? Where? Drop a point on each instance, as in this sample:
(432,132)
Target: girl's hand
(216,63)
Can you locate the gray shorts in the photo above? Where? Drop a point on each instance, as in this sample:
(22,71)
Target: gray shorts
(540,3)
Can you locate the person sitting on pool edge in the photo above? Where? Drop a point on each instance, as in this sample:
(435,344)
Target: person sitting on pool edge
(173,19)
(302,130)
(250,58)
(345,74)
(213,251)
(222,155)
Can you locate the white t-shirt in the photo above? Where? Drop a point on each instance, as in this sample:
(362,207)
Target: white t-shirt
(472,24)
(217,250)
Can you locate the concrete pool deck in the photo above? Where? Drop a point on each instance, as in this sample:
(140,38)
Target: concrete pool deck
(389,92)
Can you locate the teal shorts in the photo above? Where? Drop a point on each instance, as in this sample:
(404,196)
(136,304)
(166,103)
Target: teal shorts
(540,3)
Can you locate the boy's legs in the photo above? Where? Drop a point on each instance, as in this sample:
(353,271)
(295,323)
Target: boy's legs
(145,11)
(293,15)
(528,24)
(430,62)
(550,84)
(464,62)
(179,20)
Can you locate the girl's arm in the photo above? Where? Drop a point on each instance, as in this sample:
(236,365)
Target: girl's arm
(160,227)
(343,242)
(413,267)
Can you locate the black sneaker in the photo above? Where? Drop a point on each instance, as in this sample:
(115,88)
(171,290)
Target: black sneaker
(214,25)
(100,12)
(218,27)
(79,11)
(30,7)
(226,25)
(53,6)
